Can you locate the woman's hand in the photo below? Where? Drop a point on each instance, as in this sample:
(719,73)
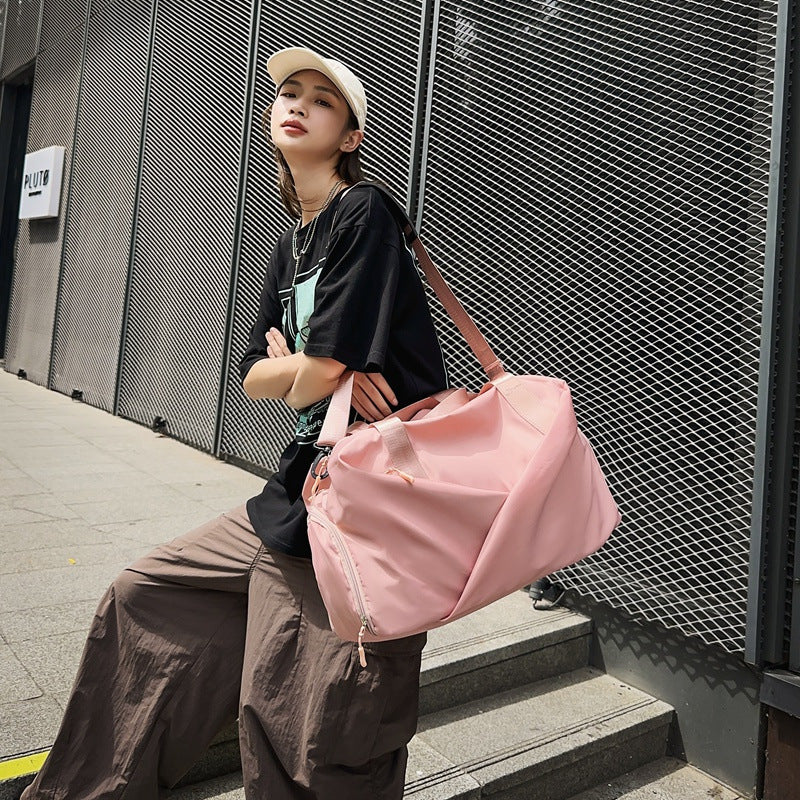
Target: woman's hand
(370,396)
(276,344)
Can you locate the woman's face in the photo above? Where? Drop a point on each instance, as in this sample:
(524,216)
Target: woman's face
(310,116)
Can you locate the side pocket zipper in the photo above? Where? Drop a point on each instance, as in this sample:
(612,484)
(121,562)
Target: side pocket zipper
(352,578)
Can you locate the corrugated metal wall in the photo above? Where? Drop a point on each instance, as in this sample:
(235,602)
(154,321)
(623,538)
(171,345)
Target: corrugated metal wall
(21,34)
(182,253)
(39,241)
(104,175)
(591,177)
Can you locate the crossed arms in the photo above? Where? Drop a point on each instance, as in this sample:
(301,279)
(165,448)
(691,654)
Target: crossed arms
(303,380)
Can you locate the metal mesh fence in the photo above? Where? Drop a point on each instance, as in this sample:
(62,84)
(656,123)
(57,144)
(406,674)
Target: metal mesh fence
(176,323)
(381,45)
(596,192)
(39,241)
(100,217)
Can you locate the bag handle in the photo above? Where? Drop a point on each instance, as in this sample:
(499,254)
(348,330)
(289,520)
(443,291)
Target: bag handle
(334,427)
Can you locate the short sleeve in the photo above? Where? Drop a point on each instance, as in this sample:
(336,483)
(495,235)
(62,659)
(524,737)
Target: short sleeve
(355,295)
(270,313)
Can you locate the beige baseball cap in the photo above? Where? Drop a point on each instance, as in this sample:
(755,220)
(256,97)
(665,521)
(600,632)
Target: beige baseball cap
(293,59)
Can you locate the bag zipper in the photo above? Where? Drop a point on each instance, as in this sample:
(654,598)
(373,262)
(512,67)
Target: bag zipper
(352,577)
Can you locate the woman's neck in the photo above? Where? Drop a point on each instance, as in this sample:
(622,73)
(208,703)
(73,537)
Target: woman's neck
(313,185)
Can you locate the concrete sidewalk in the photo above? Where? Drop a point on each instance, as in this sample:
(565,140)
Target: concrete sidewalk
(83,494)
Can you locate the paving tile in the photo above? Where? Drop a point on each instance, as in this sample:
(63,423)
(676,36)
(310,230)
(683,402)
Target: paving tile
(19,485)
(44,621)
(41,534)
(221,504)
(227,787)
(74,487)
(105,489)
(52,661)
(33,508)
(139,506)
(16,683)
(28,725)
(62,698)
(63,455)
(215,488)
(163,529)
(24,437)
(81,468)
(69,584)
(67,555)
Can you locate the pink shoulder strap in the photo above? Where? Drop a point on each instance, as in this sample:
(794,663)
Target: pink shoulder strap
(336,419)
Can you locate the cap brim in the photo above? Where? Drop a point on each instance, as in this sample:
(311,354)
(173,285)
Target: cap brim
(294,59)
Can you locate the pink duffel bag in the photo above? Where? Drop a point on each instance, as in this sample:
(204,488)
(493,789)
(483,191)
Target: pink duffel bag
(452,502)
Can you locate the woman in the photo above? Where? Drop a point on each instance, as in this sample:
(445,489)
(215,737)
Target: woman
(226,620)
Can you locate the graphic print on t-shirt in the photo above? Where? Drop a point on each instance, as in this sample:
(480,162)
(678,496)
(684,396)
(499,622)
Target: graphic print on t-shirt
(295,326)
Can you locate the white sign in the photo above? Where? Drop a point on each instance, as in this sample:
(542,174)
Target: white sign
(41,183)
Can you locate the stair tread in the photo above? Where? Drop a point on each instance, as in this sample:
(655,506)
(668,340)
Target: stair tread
(503,629)
(537,726)
(664,779)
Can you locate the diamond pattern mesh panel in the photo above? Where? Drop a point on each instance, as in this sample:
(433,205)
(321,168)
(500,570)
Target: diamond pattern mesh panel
(39,242)
(59,17)
(381,45)
(183,242)
(104,173)
(596,192)
(21,34)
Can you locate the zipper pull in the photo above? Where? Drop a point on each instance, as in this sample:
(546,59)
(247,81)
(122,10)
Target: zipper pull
(404,475)
(361,654)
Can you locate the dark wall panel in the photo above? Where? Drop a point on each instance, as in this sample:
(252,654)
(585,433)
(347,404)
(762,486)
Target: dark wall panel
(39,242)
(596,190)
(104,175)
(176,325)
(381,44)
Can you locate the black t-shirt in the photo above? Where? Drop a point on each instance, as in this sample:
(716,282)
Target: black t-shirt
(357,298)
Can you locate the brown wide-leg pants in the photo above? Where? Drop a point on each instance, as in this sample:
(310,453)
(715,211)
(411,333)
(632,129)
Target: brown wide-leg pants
(210,626)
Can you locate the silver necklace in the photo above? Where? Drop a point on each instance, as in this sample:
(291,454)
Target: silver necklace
(298,254)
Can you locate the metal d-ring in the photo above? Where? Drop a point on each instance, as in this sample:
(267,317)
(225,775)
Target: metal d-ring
(323,454)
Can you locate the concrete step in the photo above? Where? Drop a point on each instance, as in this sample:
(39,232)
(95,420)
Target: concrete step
(543,740)
(504,645)
(548,739)
(664,779)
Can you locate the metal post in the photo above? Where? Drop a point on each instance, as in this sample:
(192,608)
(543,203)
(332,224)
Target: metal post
(778,369)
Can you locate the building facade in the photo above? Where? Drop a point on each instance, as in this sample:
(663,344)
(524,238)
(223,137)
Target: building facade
(611,189)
